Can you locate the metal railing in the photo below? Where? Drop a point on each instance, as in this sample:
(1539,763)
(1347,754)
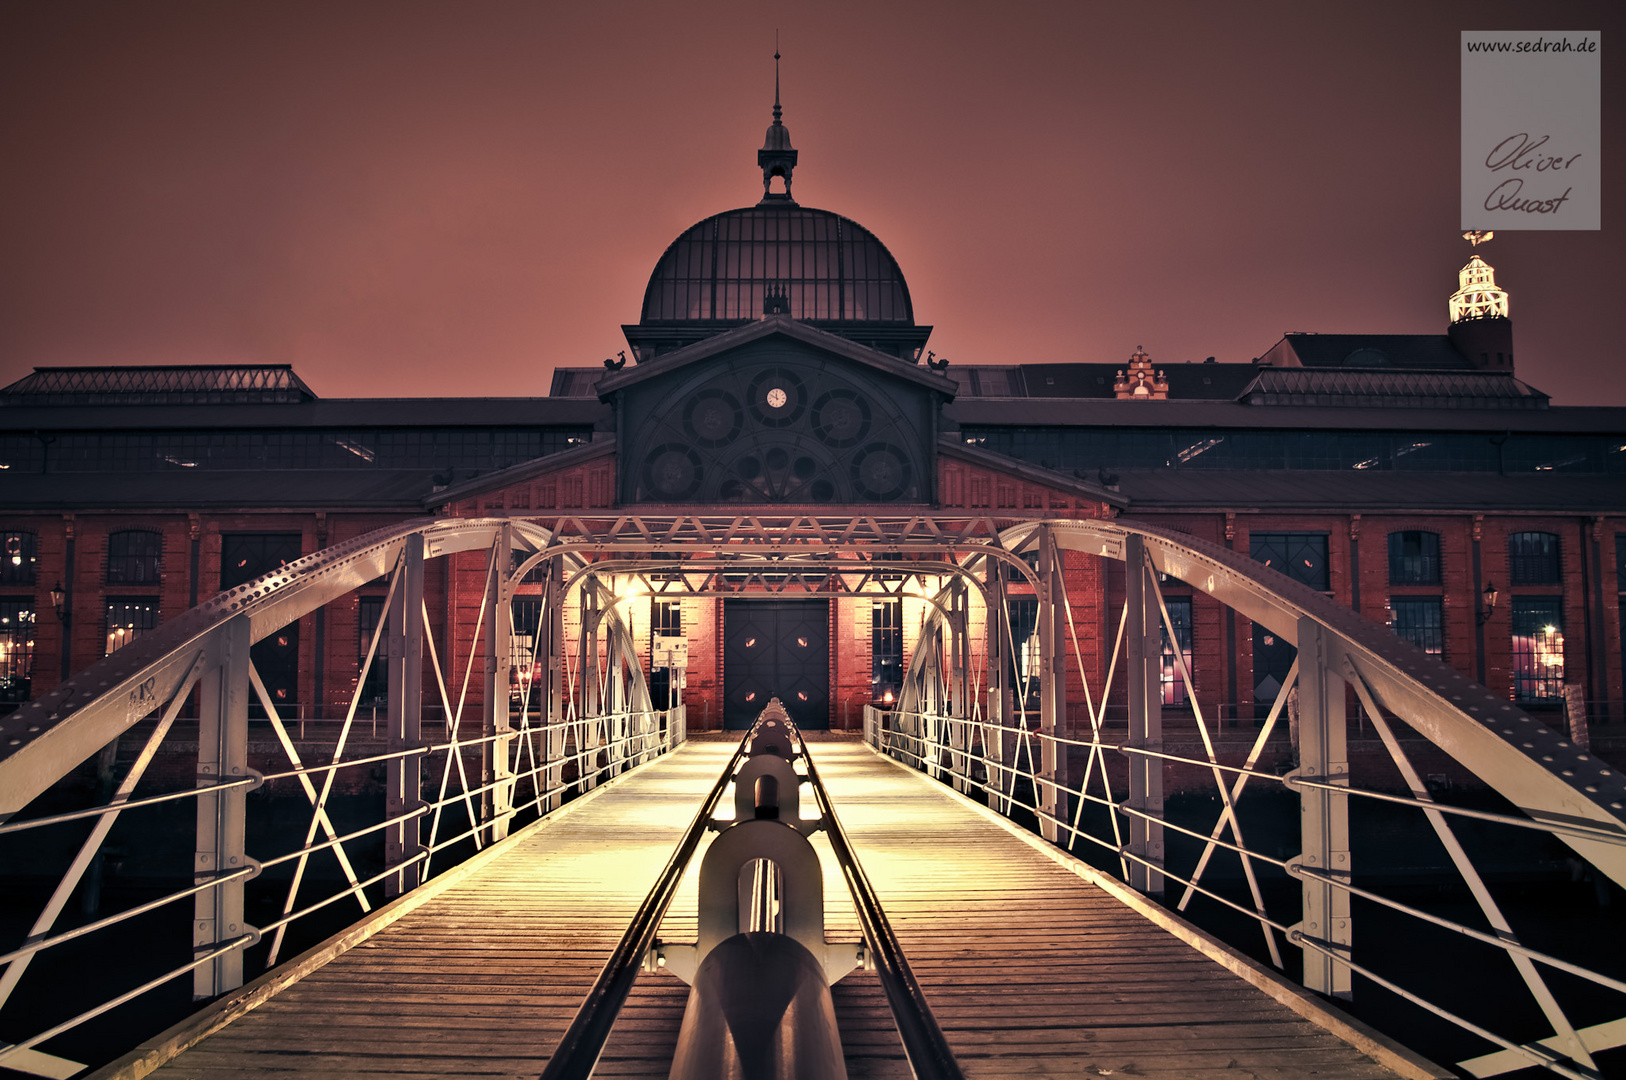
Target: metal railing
(959,751)
(456,773)
(1499,971)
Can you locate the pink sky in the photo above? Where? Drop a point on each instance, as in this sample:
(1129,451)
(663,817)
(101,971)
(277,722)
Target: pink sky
(453,198)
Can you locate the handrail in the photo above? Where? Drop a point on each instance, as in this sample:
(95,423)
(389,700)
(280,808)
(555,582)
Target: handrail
(923,1041)
(579,1049)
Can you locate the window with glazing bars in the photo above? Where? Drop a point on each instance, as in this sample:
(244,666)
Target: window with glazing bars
(1301,556)
(1538,648)
(17,558)
(1533,559)
(128,618)
(1421,621)
(16,651)
(1026,667)
(134,557)
(1414,558)
(886,650)
(375,691)
(1174,687)
(525,631)
(665,621)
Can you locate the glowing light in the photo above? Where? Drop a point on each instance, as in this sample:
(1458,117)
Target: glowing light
(363,452)
(887,697)
(1478,297)
(1198,448)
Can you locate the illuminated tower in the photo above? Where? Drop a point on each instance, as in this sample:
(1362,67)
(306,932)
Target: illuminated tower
(1480,328)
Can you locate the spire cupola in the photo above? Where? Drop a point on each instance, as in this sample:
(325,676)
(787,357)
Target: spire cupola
(1480,329)
(777,157)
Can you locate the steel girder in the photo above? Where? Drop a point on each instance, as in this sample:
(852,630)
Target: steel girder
(1537,769)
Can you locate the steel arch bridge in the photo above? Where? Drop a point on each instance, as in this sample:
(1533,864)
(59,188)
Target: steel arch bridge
(965,717)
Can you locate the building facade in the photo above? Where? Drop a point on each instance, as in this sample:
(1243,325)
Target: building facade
(777,370)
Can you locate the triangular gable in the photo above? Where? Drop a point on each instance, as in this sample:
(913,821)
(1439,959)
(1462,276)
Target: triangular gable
(785,326)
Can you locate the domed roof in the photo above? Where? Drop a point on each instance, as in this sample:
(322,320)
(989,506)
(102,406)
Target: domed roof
(812,265)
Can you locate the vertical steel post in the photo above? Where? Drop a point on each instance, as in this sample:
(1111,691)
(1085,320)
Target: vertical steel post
(618,730)
(959,662)
(1324,815)
(496,769)
(587,726)
(997,629)
(221,816)
(555,707)
(404,775)
(1143,655)
(1052,631)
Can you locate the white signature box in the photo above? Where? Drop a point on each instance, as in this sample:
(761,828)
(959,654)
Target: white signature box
(1531,142)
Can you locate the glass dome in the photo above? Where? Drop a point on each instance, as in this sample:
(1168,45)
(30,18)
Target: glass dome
(809,264)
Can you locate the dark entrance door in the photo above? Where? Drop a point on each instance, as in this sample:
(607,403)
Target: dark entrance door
(776,648)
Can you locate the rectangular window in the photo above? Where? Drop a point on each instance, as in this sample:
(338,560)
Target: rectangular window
(17,558)
(1301,556)
(886,650)
(524,632)
(375,692)
(133,557)
(1026,666)
(980,487)
(1414,558)
(1532,559)
(1174,687)
(665,621)
(128,618)
(1421,621)
(1538,649)
(1620,561)
(16,650)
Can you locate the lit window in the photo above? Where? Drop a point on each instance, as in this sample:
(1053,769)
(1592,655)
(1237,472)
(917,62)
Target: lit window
(1538,648)
(17,558)
(1174,687)
(128,618)
(16,650)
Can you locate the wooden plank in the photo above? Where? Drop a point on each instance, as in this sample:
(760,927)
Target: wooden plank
(1032,970)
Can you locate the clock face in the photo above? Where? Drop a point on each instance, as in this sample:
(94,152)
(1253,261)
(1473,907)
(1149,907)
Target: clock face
(777,398)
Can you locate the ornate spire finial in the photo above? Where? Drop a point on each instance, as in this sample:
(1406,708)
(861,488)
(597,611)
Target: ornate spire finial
(777,157)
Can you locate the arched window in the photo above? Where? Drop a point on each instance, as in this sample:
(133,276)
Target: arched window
(1532,559)
(134,557)
(1414,558)
(17,558)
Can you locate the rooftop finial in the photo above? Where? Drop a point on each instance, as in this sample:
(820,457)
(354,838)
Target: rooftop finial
(777,157)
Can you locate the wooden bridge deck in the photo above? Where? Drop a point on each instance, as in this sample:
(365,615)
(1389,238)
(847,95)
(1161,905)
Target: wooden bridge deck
(1032,971)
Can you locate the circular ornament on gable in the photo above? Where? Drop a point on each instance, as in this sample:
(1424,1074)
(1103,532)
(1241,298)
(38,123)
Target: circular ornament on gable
(713,418)
(880,472)
(672,471)
(841,418)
